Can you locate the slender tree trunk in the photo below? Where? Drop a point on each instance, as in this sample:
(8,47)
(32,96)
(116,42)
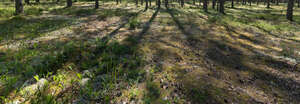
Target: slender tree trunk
(298,3)
(37,1)
(136,2)
(18,6)
(205,5)
(250,2)
(150,2)
(232,4)
(289,13)
(268,3)
(146,6)
(142,2)
(57,1)
(277,2)
(182,3)
(221,6)
(69,3)
(96,4)
(257,2)
(158,3)
(166,3)
(213,4)
(27,1)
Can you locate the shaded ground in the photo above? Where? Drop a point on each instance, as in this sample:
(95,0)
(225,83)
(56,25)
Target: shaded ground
(164,55)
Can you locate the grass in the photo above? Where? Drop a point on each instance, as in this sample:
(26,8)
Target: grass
(185,55)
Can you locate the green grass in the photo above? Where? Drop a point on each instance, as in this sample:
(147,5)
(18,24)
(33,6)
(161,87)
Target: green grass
(114,65)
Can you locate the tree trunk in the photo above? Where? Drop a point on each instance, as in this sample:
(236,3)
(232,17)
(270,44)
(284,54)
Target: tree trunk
(232,4)
(289,13)
(182,3)
(166,3)
(150,2)
(69,3)
(142,2)
(136,2)
(205,5)
(37,1)
(268,3)
(27,1)
(96,4)
(146,6)
(19,6)
(250,2)
(57,1)
(221,6)
(298,3)
(158,3)
(213,4)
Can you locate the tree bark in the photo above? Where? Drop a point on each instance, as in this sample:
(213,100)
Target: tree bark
(289,13)
(166,3)
(146,6)
(27,1)
(250,2)
(221,6)
(232,4)
(268,3)
(19,6)
(182,3)
(96,4)
(37,1)
(158,3)
(213,4)
(205,5)
(69,3)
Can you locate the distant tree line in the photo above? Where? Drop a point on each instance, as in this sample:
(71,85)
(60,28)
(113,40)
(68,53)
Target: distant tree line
(216,4)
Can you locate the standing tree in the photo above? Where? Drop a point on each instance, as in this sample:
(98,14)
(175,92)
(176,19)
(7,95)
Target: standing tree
(37,1)
(19,6)
(27,1)
(268,3)
(213,4)
(232,4)
(205,2)
(96,4)
(158,3)
(182,3)
(69,3)
(289,13)
(166,3)
(146,6)
(221,6)
(250,2)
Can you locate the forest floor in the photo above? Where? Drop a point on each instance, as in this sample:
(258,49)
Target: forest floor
(124,54)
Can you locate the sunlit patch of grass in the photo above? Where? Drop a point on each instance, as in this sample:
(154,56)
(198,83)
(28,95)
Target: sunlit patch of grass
(20,27)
